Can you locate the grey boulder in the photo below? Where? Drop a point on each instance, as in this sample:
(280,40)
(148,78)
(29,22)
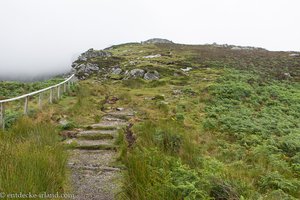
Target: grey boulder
(137,73)
(116,70)
(154,75)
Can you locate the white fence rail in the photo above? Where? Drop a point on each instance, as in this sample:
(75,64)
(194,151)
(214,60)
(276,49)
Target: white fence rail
(60,88)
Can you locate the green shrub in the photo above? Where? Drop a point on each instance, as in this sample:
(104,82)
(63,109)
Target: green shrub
(290,144)
(275,181)
(154,176)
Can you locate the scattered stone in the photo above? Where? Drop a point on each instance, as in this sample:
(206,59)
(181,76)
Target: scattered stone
(137,73)
(111,100)
(70,141)
(186,69)
(244,48)
(236,48)
(119,109)
(152,56)
(294,55)
(154,75)
(287,75)
(63,122)
(116,71)
(176,92)
(132,62)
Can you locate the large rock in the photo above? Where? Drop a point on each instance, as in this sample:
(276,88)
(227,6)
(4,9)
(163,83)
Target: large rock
(157,41)
(84,70)
(116,70)
(154,75)
(152,56)
(91,53)
(294,55)
(137,73)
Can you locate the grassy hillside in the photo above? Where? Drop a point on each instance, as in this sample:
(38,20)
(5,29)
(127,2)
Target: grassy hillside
(227,129)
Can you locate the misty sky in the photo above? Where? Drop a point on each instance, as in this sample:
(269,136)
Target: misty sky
(39,36)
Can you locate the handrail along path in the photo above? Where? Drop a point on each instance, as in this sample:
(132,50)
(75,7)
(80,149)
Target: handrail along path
(66,86)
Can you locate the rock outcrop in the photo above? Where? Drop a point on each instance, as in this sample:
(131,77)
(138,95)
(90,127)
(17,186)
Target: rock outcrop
(106,66)
(158,41)
(85,69)
(91,53)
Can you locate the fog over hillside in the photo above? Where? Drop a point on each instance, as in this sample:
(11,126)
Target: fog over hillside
(40,38)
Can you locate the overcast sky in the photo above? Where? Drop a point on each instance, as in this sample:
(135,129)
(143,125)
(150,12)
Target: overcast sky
(38,36)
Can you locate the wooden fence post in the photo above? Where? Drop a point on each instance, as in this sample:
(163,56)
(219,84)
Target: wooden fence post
(58,92)
(40,101)
(51,96)
(65,87)
(26,106)
(2,116)
(69,86)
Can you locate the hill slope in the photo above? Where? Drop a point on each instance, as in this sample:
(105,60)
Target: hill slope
(212,122)
(208,122)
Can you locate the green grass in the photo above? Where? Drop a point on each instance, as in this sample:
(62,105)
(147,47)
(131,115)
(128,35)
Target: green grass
(11,89)
(32,159)
(259,128)
(228,129)
(231,132)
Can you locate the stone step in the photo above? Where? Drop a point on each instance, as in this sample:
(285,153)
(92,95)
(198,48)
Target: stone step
(112,118)
(109,125)
(106,144)
(97,134)
(124,114)
(97,147)
(96,158)
(95,168)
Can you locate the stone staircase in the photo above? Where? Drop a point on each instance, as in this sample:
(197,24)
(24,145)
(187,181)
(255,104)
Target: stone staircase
(92,152)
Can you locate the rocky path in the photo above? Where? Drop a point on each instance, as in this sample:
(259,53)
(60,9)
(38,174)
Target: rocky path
(92,153)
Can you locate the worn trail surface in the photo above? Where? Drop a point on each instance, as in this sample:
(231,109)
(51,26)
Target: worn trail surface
(91,154)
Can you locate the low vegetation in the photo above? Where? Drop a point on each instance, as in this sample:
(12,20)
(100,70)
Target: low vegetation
(227,129)
(32,159)
(11,89)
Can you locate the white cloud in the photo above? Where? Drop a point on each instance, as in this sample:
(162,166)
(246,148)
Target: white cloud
(42,36)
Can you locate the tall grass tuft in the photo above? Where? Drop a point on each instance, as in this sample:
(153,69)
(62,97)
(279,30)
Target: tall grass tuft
(31,159)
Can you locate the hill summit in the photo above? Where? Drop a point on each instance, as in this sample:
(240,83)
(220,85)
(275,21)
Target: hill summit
(157,58)
(157,41)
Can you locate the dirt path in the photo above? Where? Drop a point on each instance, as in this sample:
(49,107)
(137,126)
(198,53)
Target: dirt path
(92,153)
